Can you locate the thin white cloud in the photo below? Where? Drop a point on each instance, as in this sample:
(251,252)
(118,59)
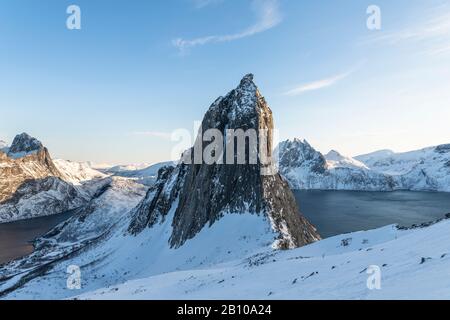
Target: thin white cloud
(155,134)
(317,85)
(433,33)
(268,16)
(203,3)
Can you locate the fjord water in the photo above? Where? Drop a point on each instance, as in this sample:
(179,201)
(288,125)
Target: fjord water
(338,212)
(332,212)
(16,237)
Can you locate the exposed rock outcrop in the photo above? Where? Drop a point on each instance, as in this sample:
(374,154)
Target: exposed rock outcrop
(204,193)
(23,144)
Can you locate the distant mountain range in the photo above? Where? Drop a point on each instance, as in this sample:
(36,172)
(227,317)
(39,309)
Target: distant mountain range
(422,170)
(32,184)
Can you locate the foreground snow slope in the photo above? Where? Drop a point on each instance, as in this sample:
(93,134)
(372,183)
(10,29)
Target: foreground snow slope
(414,264)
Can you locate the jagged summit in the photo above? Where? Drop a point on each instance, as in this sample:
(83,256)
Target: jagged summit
(300,154)
(244,98)
(247,80)
(23,143)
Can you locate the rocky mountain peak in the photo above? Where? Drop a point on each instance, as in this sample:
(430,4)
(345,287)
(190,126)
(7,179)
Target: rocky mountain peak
(300,154)
(204,193)
(247,82)
(24,143)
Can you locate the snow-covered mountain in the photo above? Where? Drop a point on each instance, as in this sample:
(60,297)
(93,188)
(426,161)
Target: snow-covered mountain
(426,169)
(77,172)
(194,216)
(305,168)
(30,183)
(141,173)
(337,160)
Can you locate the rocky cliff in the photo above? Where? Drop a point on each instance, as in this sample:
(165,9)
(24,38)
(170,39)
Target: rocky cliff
(204,193)
(30,183)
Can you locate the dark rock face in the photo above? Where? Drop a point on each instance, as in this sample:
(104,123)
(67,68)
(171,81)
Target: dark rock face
(158,200)
(444,148)
(300,154)
(206,192)
(23,143)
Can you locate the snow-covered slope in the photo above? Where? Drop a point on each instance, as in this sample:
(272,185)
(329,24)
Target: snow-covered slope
(413,264)
(127,167)
(143,174)
(337,160)
(305,168)
(425,169)
(77,172)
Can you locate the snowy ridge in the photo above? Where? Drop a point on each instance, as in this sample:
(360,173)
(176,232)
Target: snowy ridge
(140,173)
(77,172)
(337,160)
(426,169)
(423,170)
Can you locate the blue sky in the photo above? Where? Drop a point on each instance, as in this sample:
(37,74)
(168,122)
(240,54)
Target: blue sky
(137,70)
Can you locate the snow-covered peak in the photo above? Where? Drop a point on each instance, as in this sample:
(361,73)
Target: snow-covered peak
(77,172)
(247,82)
(127,167)
(373,156)
(334,156)
(24,144)
(337,160)
(242,102)
(300,154)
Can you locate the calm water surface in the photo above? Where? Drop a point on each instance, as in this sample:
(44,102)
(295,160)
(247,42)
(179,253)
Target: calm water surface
(16,237)
(337,212)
